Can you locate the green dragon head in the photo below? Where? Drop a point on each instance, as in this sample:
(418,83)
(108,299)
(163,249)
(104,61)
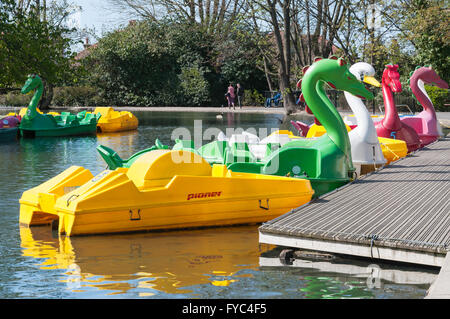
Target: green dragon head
(342,79)
(32,82)
(335,71)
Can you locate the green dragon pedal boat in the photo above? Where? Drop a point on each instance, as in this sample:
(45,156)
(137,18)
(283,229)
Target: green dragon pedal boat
(36,124)
(326,161)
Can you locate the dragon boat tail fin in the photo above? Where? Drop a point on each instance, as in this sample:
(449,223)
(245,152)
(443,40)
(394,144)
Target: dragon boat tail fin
(110,157)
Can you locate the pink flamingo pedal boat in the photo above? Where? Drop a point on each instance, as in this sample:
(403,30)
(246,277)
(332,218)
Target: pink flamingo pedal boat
(425,123)
(391,126)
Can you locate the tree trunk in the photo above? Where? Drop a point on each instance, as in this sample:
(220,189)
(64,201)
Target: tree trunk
(284,53)
(47,96)
(267,73)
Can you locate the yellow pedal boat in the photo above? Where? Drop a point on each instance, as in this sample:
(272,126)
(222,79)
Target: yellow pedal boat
(161,190)
(115,121)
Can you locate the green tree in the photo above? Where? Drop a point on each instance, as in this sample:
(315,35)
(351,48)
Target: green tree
(30,44)
(168,63)
(426,25)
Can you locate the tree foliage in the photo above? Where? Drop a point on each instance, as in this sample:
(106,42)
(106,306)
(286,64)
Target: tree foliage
(186,52)
(427,29)
(165,63)
(31,45)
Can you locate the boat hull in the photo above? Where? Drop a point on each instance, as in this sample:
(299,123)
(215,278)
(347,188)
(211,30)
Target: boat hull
(181,216)
(65,124)
(8,134)
(90,129)
(393,149)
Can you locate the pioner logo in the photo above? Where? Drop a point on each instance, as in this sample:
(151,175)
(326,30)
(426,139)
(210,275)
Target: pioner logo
(203,195)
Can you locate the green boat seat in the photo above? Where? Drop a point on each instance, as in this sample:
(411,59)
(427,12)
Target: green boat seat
(186,145)
(214,152)
(239,152)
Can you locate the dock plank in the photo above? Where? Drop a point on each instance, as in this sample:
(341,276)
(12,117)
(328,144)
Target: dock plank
(404,206)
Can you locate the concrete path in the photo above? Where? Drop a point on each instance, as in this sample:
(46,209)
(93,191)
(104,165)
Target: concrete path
(440,289)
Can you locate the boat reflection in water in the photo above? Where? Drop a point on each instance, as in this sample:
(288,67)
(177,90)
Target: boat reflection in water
(123,143)
(146,264)
(211,263)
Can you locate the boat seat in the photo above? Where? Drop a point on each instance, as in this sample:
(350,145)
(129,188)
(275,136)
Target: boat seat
(239,152)
(66,118)
(271,147)
(104,111)
(158,167)
(215,150)
(187,145)
(295,161)
(88,118)
(81,115)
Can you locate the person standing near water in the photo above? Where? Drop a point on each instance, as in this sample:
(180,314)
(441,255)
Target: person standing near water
(239,94)
(231,96)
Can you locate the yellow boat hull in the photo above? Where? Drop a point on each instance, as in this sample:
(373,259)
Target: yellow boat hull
(115,121)
(23,111)
(392,149)
(318,130)
(158,193)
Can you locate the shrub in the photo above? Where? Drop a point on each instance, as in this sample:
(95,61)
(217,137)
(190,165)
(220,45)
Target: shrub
(16,98)
(76,96)
(166,64)
(439,97)
(253,98)
(194,86)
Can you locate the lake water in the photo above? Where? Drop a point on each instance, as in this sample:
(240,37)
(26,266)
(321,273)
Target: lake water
(224,262)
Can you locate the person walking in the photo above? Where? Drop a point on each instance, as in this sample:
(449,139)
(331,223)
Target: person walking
(231,96)
(239,94)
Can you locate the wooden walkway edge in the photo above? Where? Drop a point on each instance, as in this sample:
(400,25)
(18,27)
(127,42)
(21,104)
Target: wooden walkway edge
(398,213)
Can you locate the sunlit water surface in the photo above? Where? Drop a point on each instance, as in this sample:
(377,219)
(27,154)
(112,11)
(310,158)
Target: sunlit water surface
(224,262)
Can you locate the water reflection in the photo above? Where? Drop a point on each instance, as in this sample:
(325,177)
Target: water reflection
(150,263)
(353,278)
(209,263)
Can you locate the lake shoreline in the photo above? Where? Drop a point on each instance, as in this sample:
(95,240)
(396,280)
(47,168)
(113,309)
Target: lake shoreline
(443,117)
(244,109)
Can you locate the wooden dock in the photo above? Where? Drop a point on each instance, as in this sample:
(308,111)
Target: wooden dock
(399,213)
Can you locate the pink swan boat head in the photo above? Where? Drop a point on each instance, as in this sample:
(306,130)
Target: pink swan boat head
(425,123)
(391,126)
(429,76)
